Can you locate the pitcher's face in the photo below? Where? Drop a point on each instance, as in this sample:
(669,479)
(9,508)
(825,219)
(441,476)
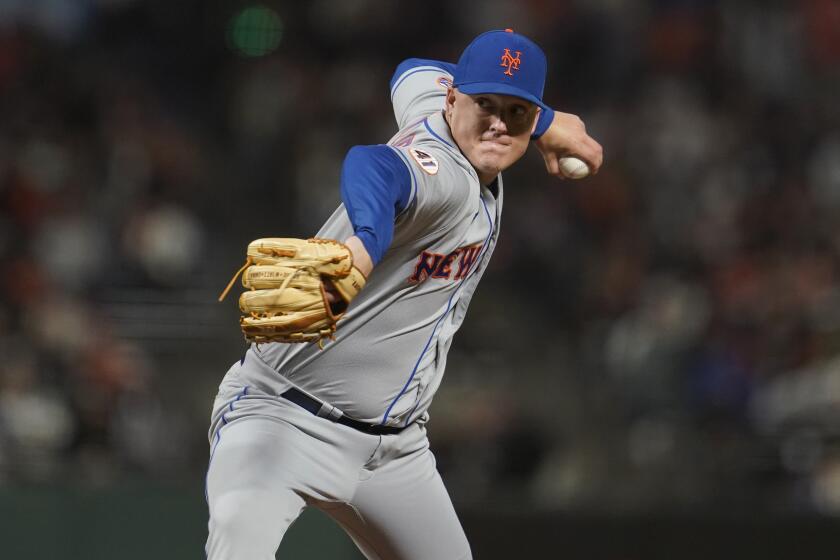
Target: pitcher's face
(492,130)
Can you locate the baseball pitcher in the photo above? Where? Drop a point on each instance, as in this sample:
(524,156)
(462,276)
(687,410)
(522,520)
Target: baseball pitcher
(350,330)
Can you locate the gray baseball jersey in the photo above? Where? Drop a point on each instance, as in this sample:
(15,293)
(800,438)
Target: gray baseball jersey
(390,350)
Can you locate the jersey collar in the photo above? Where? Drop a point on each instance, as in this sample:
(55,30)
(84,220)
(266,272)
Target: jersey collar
(437,126)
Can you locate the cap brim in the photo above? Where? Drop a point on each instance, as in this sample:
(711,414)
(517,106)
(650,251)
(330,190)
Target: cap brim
(476,88)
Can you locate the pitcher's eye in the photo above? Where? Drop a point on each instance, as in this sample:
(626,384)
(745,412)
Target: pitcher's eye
(483,102)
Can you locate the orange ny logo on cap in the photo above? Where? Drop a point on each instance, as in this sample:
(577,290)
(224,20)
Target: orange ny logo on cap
(510,62)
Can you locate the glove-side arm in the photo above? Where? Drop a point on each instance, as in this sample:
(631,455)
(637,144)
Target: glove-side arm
(375,188)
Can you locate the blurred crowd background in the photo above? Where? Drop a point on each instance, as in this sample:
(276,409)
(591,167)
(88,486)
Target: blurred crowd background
(664,336)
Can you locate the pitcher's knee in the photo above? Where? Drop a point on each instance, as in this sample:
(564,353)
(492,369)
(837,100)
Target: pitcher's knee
(249,524)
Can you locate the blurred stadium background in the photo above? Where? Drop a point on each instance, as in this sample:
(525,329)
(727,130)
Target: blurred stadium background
(651,369)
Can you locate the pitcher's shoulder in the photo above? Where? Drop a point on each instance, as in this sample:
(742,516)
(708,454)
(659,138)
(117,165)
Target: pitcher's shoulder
(433,73)
(429,162)
(418,88)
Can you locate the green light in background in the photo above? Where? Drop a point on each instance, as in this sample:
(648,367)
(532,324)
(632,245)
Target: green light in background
(255,31)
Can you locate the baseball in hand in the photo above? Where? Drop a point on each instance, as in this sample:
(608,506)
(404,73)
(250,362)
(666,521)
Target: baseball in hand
(573,168)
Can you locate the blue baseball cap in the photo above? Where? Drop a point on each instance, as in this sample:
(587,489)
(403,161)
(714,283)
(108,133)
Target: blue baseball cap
(503,62)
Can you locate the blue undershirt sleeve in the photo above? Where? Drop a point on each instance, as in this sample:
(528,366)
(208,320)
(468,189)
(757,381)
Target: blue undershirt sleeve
(375,187)
(543,122)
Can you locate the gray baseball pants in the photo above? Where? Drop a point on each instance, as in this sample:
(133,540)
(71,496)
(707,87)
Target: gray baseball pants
(270,459)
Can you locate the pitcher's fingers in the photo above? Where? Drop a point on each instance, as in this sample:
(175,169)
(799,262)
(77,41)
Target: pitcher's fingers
(552,165)
(592,153)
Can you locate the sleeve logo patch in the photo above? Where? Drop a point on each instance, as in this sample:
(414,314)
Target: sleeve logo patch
(426,161)
(444,82)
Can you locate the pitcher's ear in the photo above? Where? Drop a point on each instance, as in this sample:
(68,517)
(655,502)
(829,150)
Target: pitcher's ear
(450,96)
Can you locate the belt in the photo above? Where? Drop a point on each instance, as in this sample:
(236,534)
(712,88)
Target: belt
(332,414)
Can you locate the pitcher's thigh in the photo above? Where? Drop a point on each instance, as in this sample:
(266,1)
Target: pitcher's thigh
(404,516)
(251,503)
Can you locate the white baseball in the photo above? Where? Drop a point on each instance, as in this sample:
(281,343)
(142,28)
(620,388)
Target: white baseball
(573,168)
